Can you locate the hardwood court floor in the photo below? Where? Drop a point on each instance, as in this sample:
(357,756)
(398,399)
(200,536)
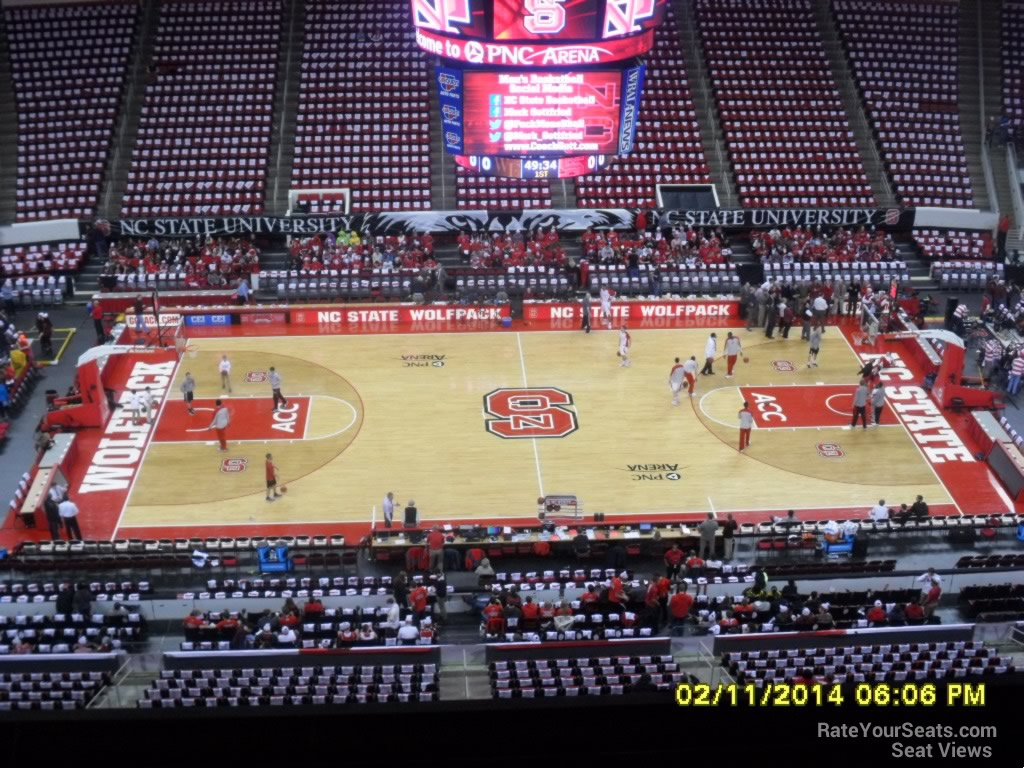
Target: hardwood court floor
(408,413)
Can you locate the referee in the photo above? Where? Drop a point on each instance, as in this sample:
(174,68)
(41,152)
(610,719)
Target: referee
(275,386)
(586,312)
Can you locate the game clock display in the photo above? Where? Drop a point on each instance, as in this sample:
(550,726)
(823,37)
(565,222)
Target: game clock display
(533,167)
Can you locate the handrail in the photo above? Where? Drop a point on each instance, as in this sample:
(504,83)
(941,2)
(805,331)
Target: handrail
(986,162)
(284,100)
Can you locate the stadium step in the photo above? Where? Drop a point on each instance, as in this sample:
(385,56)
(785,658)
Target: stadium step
(8,135)
(843,77)
(286,105)
(969,100)
(115,176)
(712,139)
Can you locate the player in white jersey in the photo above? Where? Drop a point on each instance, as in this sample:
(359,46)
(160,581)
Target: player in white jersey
(676,377)
(624,344)
(733,348)
(225,373)
(690,374)
(606,305)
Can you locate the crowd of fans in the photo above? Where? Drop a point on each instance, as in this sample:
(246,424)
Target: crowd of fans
(802,244)
(408,619)
(206,262)
(512,249)
(355,250)
(682,246)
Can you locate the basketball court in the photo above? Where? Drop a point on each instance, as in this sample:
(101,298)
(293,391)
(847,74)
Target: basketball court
(478,425)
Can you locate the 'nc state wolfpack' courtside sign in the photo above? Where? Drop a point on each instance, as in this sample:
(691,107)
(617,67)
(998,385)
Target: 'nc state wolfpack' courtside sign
(535,412)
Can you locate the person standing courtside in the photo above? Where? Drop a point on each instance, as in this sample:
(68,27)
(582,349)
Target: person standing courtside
(275,388)
(860,404)
(221,422)
(388,507)
(878,403)
(68,511)
(225,374)
(188,389)
(585,308)
(710,349)
(729,528)
(707,530)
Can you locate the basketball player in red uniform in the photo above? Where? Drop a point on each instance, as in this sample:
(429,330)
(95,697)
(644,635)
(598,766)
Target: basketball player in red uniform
(271,479)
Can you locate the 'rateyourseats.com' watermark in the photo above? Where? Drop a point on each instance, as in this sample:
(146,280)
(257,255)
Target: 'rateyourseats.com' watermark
(927,741)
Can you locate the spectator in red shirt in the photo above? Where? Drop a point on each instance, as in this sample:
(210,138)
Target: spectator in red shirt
(590,597)
(877,613)
(227,622)
(673,560)
(313,609)
(435,545)
(664,588)
(531,611)
(914,612)
(494,617)
(930,599)
(679,607)
(616,592)
(195,620)
(418,602)
(652,609)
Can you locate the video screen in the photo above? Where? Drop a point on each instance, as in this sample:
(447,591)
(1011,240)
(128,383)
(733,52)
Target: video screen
(541,113)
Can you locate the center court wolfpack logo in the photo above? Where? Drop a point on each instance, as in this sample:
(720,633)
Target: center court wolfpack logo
(256,377)
(528,413)
(234,465)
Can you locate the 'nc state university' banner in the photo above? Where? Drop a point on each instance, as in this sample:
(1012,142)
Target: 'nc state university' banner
(454,222)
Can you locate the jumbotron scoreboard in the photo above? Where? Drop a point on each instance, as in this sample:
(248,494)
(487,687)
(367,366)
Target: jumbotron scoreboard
(538,89)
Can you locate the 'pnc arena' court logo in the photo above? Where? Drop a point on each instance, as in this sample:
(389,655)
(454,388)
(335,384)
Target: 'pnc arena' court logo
(783,366)
(256,377)
(423,361)
(639,472)
(527,413)
(830,451)
(234,465)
